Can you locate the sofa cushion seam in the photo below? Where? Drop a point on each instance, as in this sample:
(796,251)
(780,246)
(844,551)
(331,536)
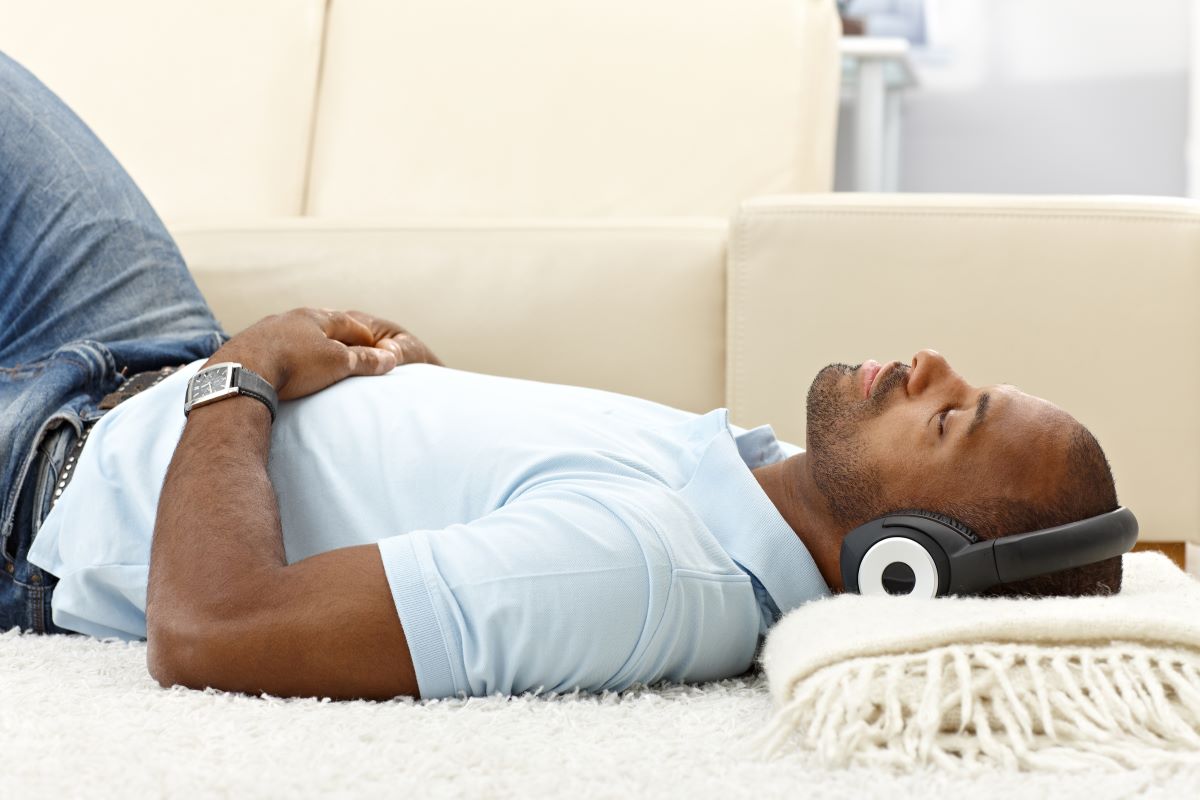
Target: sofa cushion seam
(1113,217)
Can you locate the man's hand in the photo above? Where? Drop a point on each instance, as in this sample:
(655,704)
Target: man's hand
(305,350)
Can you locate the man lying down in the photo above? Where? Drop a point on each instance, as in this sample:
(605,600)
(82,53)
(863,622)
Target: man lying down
(341,515)
(429,531)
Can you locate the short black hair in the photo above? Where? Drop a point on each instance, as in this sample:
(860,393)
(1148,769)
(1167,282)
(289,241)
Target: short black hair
(1087,490)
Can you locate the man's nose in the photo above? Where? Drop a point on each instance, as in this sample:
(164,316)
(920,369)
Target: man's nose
(929,367)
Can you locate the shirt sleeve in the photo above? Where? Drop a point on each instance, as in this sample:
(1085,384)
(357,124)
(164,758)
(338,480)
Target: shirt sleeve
(551,592)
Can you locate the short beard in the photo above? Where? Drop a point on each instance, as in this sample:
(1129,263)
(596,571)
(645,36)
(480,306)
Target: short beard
(852,489)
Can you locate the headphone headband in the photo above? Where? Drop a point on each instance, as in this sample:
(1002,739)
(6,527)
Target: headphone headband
(1027,555)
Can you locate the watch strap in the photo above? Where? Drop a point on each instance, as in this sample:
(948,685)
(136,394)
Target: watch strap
(254,385)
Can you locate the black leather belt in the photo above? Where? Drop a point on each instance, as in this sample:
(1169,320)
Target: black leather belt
(133,385)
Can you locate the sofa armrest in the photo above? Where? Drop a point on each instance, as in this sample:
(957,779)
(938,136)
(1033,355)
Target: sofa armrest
(1088,302)
(633,306)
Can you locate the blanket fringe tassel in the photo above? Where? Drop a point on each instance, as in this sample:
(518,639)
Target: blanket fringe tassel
(1019,707)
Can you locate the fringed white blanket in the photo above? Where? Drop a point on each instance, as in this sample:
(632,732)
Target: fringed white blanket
(962,683)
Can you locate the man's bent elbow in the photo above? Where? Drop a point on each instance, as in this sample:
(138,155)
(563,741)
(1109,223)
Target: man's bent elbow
(177,658)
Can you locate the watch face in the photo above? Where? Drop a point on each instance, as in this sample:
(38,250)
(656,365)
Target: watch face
(209,383)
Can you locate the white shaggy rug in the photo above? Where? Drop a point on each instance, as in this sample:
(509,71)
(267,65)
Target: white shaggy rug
(82,718)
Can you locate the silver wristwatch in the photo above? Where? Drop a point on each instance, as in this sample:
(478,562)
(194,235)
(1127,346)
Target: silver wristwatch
(228,379)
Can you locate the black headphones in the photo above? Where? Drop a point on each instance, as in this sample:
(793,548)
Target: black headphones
(924,554)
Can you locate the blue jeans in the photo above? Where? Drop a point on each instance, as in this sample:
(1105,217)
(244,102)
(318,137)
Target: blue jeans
(92,288)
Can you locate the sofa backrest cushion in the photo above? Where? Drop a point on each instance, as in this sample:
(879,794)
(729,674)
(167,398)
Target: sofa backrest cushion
(571,107)
(207,105)
(636,307)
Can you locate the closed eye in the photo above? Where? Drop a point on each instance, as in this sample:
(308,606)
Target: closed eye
(942,421)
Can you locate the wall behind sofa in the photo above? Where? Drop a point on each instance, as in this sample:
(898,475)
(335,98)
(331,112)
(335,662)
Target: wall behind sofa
(1070,96)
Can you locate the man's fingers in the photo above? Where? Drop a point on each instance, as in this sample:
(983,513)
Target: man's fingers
(407,349)
(380,328)
(342,327)
(370,360)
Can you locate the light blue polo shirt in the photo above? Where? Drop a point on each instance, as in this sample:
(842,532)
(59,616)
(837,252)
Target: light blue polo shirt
(535,537)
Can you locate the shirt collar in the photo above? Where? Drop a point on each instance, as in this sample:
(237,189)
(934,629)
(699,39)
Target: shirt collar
(726,495)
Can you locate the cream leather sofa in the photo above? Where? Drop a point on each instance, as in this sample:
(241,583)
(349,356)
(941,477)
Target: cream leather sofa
(630,195)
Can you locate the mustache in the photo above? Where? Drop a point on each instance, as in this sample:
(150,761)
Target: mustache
(883,388)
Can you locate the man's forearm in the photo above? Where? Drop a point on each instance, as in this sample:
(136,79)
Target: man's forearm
(223,607)
(217,533)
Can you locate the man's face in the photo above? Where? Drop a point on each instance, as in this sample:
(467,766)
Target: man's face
(917,435)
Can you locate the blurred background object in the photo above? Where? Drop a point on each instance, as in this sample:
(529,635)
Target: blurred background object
(876,72)
(1074,96)
(903,19)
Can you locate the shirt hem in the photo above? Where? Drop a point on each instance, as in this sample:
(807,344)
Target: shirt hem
(417,617)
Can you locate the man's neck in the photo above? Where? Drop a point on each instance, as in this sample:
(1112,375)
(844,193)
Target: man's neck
(790,487)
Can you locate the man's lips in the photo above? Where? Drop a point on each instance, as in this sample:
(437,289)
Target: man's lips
(870,370)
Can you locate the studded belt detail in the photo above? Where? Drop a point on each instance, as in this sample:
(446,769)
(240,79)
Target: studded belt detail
(134,385)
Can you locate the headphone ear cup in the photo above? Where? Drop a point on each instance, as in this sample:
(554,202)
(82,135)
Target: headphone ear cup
(898,565)
(932,539)
(950,522)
